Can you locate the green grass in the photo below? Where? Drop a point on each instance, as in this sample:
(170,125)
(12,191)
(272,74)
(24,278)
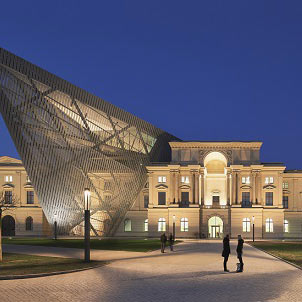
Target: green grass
(18,264)
(290,251)
(134,245)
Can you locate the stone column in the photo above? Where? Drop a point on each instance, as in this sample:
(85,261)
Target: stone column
(238,181)
(228,188)
(280,189)
(253,199)
(258,188)
(202,181)
(176,186)
(196,187)
(231,185)
(192,183)
(150,178)
(172,184)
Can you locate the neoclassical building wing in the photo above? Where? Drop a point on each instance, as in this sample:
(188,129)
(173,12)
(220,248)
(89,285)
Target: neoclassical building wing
(69,139)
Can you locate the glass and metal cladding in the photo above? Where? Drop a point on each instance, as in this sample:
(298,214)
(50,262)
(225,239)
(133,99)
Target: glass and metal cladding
(70,140)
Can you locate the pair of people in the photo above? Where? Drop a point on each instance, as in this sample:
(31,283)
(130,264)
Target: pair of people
(227,251)
(164,239)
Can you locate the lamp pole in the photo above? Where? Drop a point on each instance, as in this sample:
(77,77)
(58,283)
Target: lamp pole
(87,224)
(253,218)
(174,227)
(55,227)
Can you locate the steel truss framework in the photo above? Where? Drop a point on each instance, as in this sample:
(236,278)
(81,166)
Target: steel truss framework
(69,139)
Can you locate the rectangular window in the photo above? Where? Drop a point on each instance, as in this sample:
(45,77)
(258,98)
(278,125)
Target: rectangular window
(269,198)
(146,201)
(269,180)
(8,178)
(246,180)
(162,198)
(185,179)
(285,202)
(30,197)
(185,196)
(127,225)
(162,179)
(215,199)
(285,185)
(8,197)
(246,196)
(107,186)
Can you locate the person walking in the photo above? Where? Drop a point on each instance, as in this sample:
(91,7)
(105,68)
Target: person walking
(163,240)
(226,252)
(171,241)
(239,253)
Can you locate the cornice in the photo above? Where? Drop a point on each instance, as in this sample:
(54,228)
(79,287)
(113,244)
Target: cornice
(216,145)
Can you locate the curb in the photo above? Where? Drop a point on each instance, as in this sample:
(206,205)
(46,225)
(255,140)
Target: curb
(14,277)
(286,261)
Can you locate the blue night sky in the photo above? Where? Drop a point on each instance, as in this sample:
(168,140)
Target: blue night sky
(201,70)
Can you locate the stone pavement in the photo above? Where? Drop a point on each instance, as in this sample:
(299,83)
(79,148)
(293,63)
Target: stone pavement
(192,273)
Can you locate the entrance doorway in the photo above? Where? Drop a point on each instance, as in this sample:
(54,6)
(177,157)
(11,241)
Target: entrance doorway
(8,226)
(215,227)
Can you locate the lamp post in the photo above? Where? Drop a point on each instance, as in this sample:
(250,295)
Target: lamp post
(253,219)
(87,224)
(55,226)
(174,227)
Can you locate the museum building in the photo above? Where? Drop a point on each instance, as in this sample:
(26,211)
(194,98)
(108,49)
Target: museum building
(210,189)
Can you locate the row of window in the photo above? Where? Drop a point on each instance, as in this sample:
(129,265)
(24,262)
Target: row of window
(269,225)
(184,225)
(183,179)
(9,179)
(8,197)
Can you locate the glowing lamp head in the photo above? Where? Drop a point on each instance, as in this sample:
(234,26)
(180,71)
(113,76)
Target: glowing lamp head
(253,219)
(174,218)
(87,199)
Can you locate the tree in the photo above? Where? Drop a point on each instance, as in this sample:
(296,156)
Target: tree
(8,201)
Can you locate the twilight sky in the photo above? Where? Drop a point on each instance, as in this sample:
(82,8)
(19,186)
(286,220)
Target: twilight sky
(201,70)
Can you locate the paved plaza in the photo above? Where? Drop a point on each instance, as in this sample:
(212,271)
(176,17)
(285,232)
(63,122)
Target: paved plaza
(192,273)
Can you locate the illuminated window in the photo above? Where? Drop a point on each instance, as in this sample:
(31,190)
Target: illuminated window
(8,178)
(29,224)
(127,225)
(269,180)
(146,225)
(185,179)
(246,225)
(162,179)
(245,180)
(184,225)
(285,185)
(269,226)
(285,226)
(161,224)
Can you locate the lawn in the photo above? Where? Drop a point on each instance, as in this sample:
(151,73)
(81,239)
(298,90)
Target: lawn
(134,245)
(290,251)
(18,264)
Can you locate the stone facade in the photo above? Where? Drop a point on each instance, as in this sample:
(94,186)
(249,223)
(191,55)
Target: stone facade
(210,189)
(23,215)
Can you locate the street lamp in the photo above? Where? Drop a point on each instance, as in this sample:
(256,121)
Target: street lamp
(253,219)
(55,226)
(174,227)
(87,224)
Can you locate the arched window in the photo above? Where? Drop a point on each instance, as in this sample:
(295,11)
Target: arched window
(29,224)
(146,225)
(161,224)
(246,225)
(285,226)
(184,225)
(269,226)
(127,225)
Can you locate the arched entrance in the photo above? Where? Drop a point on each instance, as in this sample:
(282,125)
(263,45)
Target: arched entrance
(8,226)
(215,227)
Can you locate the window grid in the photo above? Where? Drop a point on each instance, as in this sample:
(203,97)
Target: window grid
(285,201)
(8,178)
(269,226)
(285,185)
(246,225)
(127,225)
(30,197)
(162,198)
(269,198)
(8,197)
(162,225)
(185,180)
(245,180)
(285,226)
(162,179)
(146,225)
(29,224)
(269,180)
(184,225)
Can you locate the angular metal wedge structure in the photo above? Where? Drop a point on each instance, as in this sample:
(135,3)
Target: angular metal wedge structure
(69,139)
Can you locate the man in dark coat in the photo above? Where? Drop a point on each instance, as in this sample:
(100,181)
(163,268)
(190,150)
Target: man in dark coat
(163,240)
(171,241)
(226,251)
(239,252)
